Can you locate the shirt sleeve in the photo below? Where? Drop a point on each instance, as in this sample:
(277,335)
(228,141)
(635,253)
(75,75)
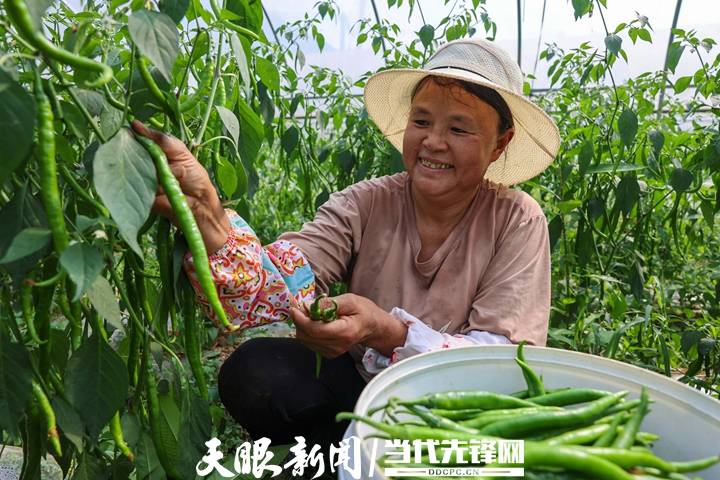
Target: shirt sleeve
(513,298)
(256,285)
(333,237)
(421,338)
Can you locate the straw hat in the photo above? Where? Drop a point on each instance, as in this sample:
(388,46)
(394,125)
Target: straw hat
(536,140)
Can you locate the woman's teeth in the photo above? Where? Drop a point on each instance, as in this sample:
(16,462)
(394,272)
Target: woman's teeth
(439,166)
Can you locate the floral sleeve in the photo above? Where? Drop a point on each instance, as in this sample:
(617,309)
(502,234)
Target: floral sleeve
(256,284)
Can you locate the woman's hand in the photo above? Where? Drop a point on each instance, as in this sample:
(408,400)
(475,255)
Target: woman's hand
(195,183)
(360,320)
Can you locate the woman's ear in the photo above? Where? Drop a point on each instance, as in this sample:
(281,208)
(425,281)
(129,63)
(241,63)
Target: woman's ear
(502,142)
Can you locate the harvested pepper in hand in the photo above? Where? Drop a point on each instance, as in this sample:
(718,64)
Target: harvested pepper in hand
(323,309)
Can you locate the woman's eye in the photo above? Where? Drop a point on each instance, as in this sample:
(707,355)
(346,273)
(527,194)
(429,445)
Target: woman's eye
(458,130)
(420,123)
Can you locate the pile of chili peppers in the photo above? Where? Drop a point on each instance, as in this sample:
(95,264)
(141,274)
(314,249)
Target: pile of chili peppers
(599,437)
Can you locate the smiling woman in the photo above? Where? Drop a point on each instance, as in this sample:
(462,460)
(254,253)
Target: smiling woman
(444,254)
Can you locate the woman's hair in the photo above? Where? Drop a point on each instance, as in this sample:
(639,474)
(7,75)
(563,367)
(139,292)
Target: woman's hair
(486,94)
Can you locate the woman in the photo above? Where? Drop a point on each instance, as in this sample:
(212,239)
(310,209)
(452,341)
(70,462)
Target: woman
(441,255)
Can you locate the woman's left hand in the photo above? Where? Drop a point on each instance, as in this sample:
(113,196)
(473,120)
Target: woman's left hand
(360,320)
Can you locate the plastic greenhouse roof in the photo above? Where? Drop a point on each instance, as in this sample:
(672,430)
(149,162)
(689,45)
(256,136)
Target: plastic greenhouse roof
(559,27)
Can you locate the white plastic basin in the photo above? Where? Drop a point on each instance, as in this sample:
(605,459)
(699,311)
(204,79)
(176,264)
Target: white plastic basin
(687,420)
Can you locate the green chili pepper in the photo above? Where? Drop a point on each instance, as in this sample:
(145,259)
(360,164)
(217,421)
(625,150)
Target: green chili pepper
(19,14)
(605,440)
(569,397)
(189,227)
(468,399)
(436,421)
(627,437)
(412,432)
(464,414)
(47,168)
(154,415)
(322,309)
(192,343)
(518,426)
(492,416)
(32,438)
(117,434)
(572,459)
(205,80)
(630,458)
(580,436)
(26,307)
(152,86)
(49,415)
(535,387)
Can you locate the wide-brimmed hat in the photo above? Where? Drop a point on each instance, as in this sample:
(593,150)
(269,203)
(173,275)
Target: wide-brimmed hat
(536,141)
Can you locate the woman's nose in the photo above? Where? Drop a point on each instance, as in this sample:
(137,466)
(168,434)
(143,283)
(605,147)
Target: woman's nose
(434,140)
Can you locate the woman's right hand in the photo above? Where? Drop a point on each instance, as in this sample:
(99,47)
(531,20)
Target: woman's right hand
(195,183)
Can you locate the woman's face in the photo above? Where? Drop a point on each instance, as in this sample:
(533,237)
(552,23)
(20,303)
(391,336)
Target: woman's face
(450,140)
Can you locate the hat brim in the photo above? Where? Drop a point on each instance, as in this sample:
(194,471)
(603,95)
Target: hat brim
(532,149)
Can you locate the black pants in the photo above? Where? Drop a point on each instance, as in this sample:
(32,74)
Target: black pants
(269,386)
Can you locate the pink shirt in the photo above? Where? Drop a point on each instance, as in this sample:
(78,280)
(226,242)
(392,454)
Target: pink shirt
(491,274)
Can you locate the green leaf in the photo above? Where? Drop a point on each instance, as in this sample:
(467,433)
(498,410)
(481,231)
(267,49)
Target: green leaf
(581,7)
(595,208)
(268,73)
(681,179)
(427,35)
(37,9)
(69,422)
(83,263)
(612,167)
(708,211)
(240,59)
(555,228)
(147,463)
(110,121)
(584,244)
(345,159)
(290,139)
(674,53)
(227,177)
(682,83)
(689,339)
(174,9)
(27,242)
(15,383)
(103,299)
(613,43)
(21,212)
(627,194)
(251,138)
(585,157)
(627,126)
(705,346)
(657,139)
(96,383)
(711,155)
(93,101)
(90,468)
(167,436)
(568,206)
(17,124)
(156,36)
(195,430)
(230,122)
(248,14)
(124,177)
